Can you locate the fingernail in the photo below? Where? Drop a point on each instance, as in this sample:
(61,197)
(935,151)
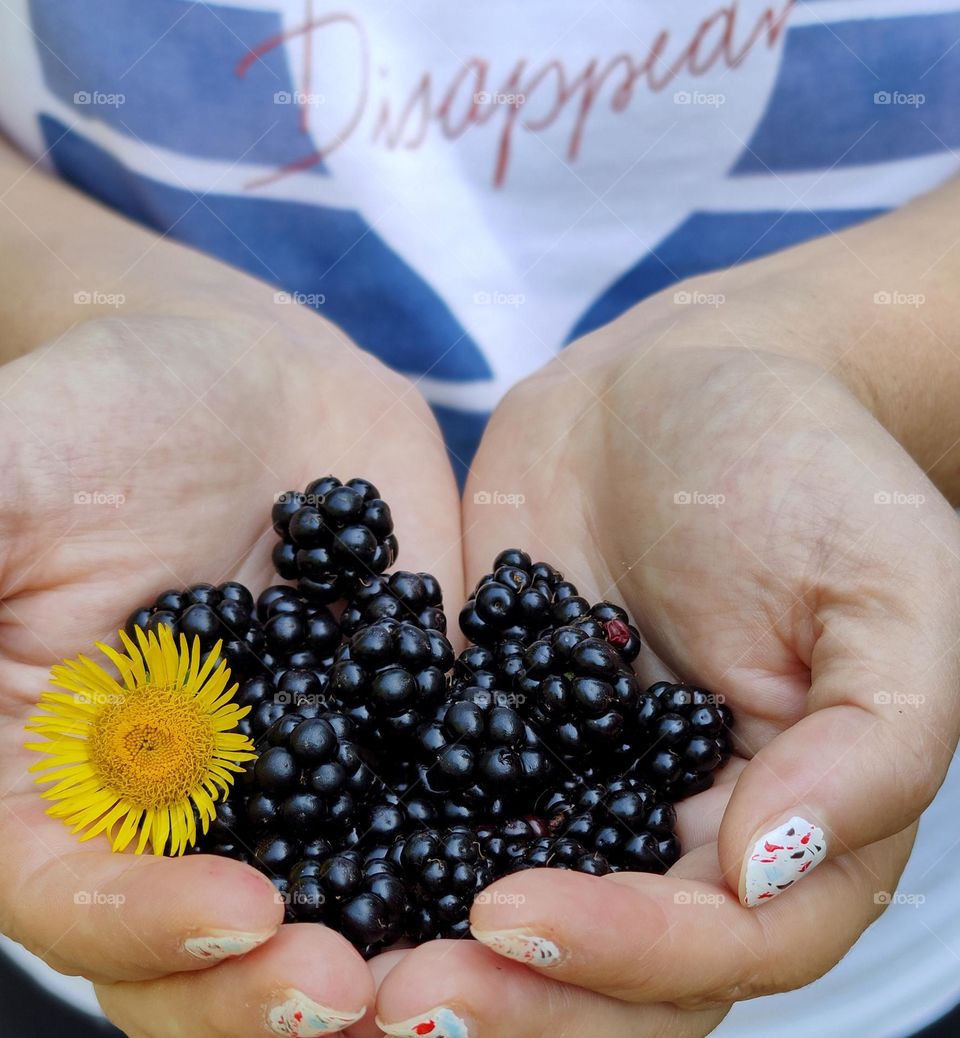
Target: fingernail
(438,1023)
(780,858)
(297,1016)
(521,945)
(227,944)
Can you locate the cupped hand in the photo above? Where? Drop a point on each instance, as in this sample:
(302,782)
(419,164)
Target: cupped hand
(144,452)
(777,547)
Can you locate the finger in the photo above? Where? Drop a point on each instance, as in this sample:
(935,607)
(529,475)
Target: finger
(380,967)
(866,759)
(306,981)
(459,989)
(122,917)
(653,938)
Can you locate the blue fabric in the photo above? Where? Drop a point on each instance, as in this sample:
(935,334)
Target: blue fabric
(201,81)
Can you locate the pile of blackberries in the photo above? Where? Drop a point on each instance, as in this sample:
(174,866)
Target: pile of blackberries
(395,780)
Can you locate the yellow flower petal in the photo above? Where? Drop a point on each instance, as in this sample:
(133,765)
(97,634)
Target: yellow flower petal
(145,759)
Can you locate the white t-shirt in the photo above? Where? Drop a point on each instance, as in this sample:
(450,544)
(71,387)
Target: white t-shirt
(465,187)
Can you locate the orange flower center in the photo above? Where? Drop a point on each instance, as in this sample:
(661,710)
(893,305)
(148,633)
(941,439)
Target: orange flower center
(153,746)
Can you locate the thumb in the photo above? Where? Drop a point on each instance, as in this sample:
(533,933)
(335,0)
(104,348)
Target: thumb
(868,757)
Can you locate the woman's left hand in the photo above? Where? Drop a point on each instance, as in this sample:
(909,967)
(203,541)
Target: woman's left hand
(756,521)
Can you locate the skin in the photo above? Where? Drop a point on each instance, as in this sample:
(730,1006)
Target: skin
(798,598)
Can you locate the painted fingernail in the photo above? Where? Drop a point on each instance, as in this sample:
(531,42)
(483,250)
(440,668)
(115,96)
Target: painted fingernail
(227,944)
(780,858)
(521,945)
(438,1023)
(297,1016)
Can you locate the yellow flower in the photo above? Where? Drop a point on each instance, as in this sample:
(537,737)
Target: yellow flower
(145,753)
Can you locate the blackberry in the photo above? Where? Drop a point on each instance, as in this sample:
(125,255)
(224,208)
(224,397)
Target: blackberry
(298,633)
(211,613)
(564,852)
(394,814)
(333,537)
(479,757)
(444,870)
(389,677)
(611,623)
(505,843)
(685,737)
(522,601)
(622,820)
(274,696)
(310,778)
(580,696)
(515,600)
(492,668)
(412,597)
(365,899)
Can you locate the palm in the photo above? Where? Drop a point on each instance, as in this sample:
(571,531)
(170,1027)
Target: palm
(734,520)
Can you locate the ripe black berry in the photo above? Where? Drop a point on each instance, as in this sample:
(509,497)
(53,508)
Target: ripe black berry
(480,756)
(623,820)
(211,614)
(550,852)
(684,738)
(445,870)
(412,597)
(298,632)
(580,696)
(389,677)
(513,601)
(334,537)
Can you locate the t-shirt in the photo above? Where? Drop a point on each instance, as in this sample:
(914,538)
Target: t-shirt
(465,187)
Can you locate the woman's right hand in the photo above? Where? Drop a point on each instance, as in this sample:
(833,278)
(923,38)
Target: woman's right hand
(140,453)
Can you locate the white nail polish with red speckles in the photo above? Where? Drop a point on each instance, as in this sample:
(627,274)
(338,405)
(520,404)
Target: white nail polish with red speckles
(296,1016)
(521,946)
(437,1023)
(780,858)
(224,945)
